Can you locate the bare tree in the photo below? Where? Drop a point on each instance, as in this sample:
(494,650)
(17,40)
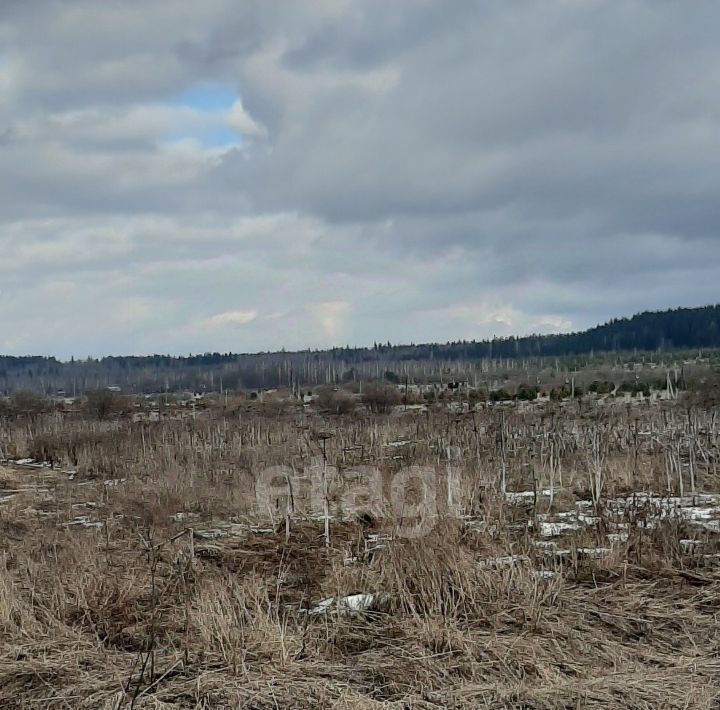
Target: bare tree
(596,453)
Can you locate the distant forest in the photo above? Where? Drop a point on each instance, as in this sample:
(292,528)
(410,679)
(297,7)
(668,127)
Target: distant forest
(681,328)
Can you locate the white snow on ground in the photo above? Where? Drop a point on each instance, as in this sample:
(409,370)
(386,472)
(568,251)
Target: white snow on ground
(353,604)
(702,510)
(84,522)
(509,561)
(521,497)
(554,528)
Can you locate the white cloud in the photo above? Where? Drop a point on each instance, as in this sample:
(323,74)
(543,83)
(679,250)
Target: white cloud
(240,120)
(230,319)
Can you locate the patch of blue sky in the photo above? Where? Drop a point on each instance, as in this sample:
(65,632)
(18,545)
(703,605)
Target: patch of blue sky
(212,101)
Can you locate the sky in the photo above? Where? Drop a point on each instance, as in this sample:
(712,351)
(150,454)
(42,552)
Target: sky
(243,175)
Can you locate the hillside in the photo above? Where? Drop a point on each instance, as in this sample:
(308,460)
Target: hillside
(681,328)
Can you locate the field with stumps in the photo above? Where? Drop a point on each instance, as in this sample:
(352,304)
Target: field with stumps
(265,555)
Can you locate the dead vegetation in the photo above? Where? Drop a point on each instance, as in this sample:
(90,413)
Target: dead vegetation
(573,560)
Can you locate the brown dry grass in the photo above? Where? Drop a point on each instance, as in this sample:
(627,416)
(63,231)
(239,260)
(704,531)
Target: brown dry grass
(138,612)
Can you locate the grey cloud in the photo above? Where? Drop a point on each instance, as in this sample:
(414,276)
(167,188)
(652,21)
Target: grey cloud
(426,170)
(551,107)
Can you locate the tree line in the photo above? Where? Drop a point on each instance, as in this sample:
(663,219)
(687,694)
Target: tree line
(652,331)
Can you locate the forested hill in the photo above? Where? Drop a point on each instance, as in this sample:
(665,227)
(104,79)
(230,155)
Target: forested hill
(681,328)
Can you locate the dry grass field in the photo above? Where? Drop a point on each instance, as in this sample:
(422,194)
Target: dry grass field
(570,559)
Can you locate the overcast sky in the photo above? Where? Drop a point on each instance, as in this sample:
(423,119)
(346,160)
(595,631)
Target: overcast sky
(182,176)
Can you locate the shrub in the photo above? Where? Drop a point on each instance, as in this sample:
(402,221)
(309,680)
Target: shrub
(601,387)
(28,403)
(336,401)
(526,393)
(500,395)
(380,399)
(105,404)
